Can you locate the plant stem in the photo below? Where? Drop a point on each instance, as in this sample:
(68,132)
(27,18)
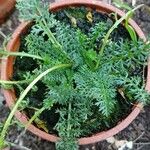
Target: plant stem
(21,54)
(22,96)
(52,38)
(105,40)
(48,31)
(32,108)
(36,114)
(14,82)
(50,34)
(69,117)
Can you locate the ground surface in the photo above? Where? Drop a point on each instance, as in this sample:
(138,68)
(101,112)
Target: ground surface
(138,132)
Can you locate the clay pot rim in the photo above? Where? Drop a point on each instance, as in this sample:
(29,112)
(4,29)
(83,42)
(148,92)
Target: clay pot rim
(6,7)
(10,96)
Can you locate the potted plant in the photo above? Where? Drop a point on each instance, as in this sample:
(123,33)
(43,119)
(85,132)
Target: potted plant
(6,6)
(91,60)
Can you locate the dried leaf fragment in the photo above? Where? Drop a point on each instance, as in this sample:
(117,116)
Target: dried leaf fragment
(41,124)
(89,17)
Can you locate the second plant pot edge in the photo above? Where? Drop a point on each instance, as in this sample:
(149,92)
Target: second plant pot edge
(6,7)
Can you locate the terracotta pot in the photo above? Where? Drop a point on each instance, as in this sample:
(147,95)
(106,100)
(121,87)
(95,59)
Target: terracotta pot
(6,6)
(7,71)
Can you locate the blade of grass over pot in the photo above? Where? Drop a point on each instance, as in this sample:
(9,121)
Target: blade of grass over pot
(106,38)
(22,96)
(121,4)
(19,54)
(130,29)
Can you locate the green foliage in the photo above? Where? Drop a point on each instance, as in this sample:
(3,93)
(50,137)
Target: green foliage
(134,89)
(62,92)
(95,86)
(67,144)
(69,129)
(89,44)
(68,38)
(106,38)
(84,94)
(98,32)
(31,10)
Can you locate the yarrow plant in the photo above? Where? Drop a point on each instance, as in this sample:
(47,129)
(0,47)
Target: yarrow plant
(91,74)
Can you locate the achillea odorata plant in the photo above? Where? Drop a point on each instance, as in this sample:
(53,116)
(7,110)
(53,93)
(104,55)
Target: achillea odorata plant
(95,68)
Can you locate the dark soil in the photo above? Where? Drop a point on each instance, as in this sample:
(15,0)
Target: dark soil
(141,126)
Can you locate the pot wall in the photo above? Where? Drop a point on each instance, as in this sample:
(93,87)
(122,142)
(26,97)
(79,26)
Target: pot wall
(7,72)
(6,6)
